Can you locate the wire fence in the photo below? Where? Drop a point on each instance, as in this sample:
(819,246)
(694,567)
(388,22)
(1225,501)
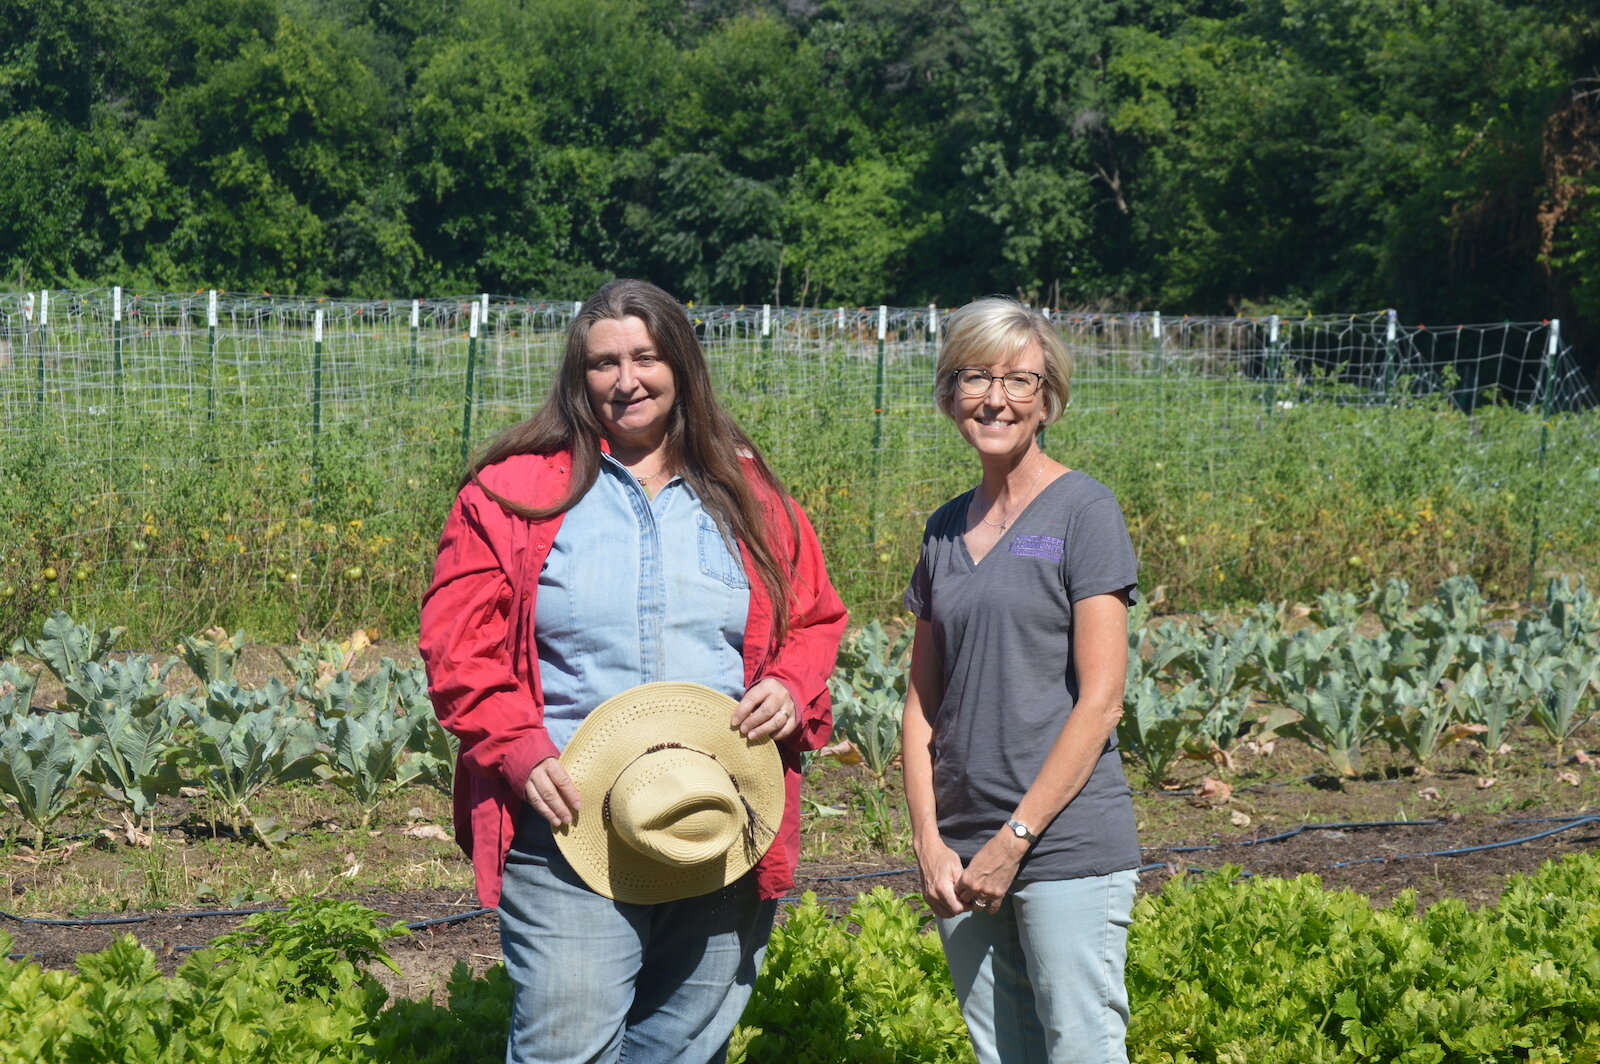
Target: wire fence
(196,457)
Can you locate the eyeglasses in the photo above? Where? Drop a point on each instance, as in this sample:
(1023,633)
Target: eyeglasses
(1019,384)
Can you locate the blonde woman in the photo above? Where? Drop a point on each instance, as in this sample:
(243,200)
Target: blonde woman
(1022,819)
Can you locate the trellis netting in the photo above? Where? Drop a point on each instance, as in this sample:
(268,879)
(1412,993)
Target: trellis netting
(177,459)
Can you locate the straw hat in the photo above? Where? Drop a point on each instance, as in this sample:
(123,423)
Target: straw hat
(676,803)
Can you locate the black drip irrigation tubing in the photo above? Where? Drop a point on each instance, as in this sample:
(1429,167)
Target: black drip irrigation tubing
(1303,828)
(414,925)
(1567,824)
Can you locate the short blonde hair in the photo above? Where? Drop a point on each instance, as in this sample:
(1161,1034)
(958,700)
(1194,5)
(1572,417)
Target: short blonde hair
(987,332)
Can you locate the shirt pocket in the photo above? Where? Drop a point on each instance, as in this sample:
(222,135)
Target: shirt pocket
(716,560)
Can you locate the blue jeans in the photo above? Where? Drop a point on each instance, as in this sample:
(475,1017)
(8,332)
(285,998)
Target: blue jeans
(598,981)
(1040,979)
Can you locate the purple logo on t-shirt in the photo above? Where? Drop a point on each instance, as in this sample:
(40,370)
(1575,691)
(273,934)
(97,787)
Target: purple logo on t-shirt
(1048,547)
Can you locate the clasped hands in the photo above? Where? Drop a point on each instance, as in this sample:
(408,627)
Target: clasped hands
(951,889)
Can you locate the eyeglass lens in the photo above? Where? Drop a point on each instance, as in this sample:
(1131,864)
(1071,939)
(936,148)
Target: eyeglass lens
(1017,385)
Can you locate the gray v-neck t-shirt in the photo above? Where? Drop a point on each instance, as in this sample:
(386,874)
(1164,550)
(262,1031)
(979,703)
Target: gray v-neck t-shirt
(1003,630)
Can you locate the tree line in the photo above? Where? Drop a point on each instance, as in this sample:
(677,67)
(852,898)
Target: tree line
(1437,156)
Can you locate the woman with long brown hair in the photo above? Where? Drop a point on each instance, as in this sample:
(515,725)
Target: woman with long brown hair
(628,533)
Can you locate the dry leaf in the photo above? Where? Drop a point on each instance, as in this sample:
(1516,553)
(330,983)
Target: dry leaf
(844,751)
(428,831)
(1505,748)
(1240,819)
(1569,778)
(1213,790)
(1429,794)
(133,834)
(191,792)
(1582,757)
(1458,731)
(1485,782)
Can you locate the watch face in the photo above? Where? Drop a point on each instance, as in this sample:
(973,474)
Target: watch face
(1020,831)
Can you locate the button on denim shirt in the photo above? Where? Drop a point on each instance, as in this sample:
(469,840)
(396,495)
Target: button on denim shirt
(636,590)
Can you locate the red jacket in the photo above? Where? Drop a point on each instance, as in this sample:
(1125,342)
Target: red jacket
(483,672)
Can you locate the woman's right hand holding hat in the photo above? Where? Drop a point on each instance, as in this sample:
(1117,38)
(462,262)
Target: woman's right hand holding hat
(552,793)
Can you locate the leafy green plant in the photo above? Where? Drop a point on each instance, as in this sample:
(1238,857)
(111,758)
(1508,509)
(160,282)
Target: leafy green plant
(134,760)
(870,987)
(325,945)
(1334,717)
(1420,721)
(1156,725)
(212,655)
(1565,684)
(41,769)
(1491,705)
(118,1007)
(134,684)
(16,691)
(240,757)
(869,693)
(472,1028)
(65,645)
(367,756)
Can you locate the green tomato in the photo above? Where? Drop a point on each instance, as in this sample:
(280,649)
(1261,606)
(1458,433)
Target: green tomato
(50,573)
(353,573)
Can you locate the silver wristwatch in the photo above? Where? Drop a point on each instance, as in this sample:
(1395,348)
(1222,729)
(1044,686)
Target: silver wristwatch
(1022,831)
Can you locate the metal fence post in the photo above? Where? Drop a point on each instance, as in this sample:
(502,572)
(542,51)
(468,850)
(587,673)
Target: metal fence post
(316,407)
(466,402)
(1547,403)
(877,423)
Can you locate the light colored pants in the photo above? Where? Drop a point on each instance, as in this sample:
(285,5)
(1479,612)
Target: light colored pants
(598,981)
(1040,980)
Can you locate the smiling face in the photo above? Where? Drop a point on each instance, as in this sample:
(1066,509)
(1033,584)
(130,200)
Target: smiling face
(630,386)
(994,423)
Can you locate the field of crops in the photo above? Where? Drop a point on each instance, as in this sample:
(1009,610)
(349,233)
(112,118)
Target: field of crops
(169,475)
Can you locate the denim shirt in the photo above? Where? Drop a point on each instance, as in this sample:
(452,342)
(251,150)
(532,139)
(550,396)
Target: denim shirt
(636,590)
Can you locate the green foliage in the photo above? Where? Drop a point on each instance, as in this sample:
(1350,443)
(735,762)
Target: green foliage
(1280,970)
(16,691)
(135,757)
(1219,968)
(869,693)
(240,756)
(41,769)
(325,946)
(118,1006)
(66,646)
(871,987)
(470,1029)
(367,756)
(1156,725)
(212,655)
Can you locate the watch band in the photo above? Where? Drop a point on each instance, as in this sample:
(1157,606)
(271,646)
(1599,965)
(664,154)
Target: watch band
(1022,831)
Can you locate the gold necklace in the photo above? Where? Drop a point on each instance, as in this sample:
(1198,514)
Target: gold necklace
(652,476)
(1005,522)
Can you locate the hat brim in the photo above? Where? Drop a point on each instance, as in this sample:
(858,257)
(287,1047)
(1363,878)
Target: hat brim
(616,733)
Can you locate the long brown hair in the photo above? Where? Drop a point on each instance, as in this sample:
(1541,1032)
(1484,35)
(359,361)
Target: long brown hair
(704,443)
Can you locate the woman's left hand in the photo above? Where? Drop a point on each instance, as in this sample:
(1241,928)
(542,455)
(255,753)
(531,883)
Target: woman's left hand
(987,877)
(767,710)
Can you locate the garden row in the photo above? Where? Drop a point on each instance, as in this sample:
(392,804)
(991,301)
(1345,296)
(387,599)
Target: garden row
(1359,670)
(1219,969)
(121,734)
